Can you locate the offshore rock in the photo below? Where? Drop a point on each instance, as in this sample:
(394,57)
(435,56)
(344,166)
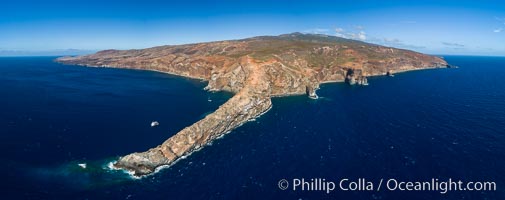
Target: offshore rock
(355,77)
(255,69)
(311,92)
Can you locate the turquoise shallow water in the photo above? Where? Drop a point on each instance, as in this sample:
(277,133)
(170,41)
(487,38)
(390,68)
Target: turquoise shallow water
(444,123)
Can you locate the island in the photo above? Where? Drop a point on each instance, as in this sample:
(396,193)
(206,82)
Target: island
(255,70)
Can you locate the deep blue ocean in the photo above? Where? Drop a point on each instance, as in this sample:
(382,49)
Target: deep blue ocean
(442,123)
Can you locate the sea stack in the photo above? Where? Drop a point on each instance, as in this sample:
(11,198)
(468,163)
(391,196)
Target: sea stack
(355,77)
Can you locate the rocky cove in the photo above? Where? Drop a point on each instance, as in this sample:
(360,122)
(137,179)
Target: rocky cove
(255,69)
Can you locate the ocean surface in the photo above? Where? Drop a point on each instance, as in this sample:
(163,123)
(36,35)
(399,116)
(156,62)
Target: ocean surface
(442,123)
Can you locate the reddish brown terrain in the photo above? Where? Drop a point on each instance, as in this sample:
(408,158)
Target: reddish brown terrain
(255,69)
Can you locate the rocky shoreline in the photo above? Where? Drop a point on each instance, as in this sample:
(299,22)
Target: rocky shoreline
(255,69)
(250,102)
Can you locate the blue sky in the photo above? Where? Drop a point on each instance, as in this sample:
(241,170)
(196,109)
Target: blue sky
(435,27)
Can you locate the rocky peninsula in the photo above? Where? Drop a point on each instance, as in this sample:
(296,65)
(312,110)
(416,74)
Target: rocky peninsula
(255,69)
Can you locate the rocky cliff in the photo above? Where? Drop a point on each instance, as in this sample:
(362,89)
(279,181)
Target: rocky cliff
(255,69)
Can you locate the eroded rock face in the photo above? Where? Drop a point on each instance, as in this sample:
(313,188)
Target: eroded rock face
(255,69)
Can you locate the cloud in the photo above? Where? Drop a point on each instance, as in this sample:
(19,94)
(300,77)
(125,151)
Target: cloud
(452,44)
(502,20)
(317,31)
(393,42)
(361,35)
(340,32)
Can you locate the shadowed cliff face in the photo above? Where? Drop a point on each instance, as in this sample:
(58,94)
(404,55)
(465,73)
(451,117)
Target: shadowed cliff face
(255,69)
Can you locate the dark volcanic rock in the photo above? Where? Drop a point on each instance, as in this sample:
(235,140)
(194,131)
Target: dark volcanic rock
(355,77)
